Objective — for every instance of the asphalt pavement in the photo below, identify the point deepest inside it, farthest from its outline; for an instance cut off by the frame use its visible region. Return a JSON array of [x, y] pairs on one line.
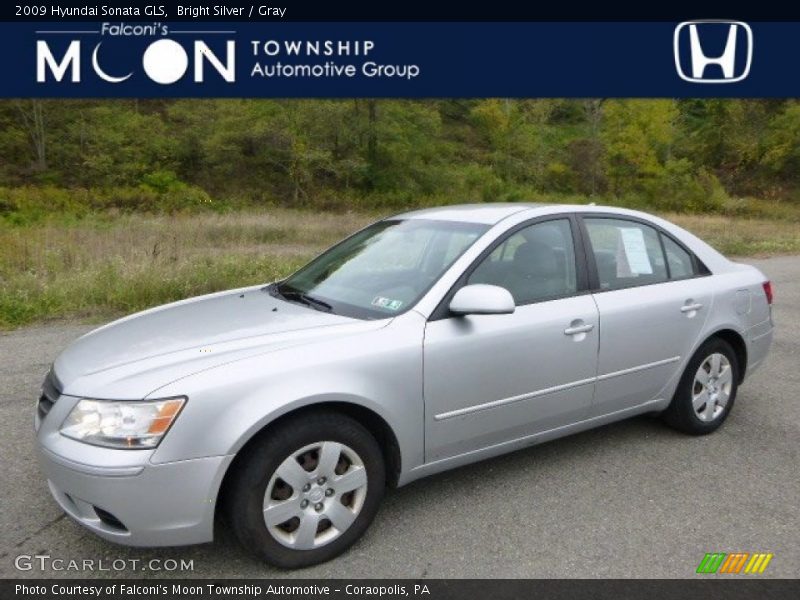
[[632, 499]]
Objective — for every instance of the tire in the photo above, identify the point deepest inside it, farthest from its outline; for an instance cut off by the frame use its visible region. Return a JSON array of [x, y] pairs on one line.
[[696, 408], [294, 449]]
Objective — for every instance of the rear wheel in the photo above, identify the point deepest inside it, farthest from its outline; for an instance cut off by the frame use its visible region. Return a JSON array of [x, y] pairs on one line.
[[707, 389], [307, 490]]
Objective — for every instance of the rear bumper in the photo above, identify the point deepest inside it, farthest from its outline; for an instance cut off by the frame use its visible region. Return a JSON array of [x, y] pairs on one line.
[[169, 504]]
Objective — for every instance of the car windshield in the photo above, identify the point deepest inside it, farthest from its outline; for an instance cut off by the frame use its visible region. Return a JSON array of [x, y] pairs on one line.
[[382, 270]]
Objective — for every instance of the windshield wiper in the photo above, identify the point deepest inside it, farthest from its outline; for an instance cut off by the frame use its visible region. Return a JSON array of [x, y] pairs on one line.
[[313, 301], [304, 298]]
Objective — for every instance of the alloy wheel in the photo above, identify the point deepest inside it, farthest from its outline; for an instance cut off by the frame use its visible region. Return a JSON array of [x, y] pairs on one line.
[[712, 387], [315, 495]]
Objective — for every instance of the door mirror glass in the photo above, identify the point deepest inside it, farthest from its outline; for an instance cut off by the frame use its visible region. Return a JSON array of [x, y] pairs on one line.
[[482, 299]]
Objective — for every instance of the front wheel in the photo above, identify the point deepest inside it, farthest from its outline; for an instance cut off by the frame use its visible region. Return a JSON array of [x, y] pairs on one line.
[[707, 389], [307, 489]]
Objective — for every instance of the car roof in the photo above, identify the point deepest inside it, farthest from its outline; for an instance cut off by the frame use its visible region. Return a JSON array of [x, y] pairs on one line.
[[489, 213]]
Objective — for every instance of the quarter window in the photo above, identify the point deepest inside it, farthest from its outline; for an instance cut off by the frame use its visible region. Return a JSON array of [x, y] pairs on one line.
[[626, 253], [534, 264], [679, 260]]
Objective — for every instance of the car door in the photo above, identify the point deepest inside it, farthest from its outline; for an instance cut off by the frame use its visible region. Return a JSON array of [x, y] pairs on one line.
[[652, 304], [495, 378]]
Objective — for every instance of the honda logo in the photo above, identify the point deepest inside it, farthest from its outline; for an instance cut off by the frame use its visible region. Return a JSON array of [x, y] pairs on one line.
[[713, 51]]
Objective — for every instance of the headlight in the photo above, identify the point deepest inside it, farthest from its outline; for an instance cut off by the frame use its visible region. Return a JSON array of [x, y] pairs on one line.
[[122, 424]]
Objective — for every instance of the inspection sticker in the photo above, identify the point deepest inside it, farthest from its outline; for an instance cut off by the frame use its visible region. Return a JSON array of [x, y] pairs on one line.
[[387, 303]]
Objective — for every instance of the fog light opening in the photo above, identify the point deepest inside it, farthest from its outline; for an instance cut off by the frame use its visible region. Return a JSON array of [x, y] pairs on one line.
[[109, 520]]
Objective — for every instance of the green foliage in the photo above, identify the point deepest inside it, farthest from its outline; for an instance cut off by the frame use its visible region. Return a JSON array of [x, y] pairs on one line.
[[638, 136], [782, 149], [29, 204], [175, 155], [111, 206]]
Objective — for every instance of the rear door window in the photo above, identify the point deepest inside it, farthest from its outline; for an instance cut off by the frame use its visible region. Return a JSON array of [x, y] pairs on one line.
[[627, 253]]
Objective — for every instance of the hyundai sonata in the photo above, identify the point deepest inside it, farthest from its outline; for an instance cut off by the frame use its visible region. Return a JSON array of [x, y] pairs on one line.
[[425, 341]]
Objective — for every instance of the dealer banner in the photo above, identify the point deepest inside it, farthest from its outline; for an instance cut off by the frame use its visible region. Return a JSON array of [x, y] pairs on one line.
[[152, 56]]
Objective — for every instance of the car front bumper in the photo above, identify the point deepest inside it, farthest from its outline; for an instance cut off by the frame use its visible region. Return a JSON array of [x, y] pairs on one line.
[[124, 497]]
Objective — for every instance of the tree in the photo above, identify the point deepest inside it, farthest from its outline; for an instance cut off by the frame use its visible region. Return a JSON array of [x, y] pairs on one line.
[[639, 136], [33, 120]]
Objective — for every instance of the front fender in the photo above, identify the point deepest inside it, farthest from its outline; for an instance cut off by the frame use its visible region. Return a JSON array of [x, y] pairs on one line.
[[380, 370]]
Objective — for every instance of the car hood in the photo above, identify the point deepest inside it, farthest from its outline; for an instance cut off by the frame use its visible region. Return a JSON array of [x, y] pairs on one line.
[[131, 357]]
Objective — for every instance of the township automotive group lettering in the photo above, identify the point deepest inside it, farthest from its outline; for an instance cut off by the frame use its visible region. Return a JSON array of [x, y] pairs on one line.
[[317, 49]]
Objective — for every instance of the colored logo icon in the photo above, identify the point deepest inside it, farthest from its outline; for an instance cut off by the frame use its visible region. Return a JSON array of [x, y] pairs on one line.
[[734, 563]]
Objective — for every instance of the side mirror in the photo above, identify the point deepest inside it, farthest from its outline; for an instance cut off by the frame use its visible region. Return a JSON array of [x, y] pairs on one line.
[[481, 299]]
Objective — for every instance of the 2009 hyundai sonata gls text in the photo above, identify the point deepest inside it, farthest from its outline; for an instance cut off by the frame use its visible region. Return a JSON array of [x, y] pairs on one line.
[[423, 342]]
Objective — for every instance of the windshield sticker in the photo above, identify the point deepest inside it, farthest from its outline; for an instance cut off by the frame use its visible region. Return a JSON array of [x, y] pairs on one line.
[[387, 303], [632, 258]]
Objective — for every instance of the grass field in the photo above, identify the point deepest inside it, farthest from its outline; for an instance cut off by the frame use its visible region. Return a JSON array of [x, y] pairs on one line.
[[102, 267]]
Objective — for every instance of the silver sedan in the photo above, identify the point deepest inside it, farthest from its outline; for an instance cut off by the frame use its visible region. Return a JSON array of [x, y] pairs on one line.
[[425, 341]]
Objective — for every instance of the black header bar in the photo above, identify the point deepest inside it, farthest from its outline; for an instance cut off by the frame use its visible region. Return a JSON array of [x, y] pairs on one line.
[[409, 10]]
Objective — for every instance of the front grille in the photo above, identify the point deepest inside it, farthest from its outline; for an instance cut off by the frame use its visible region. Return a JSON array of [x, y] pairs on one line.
[[51, 390]]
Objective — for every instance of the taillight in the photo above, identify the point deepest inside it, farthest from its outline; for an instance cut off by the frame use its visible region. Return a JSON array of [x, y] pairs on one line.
[[768, 291]]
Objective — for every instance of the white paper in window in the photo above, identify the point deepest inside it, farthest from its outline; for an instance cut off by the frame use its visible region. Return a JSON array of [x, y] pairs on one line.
[[632, 257]]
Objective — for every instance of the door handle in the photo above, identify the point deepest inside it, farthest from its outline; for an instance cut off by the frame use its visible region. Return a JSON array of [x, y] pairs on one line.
[[691, 307], [578, 329]]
